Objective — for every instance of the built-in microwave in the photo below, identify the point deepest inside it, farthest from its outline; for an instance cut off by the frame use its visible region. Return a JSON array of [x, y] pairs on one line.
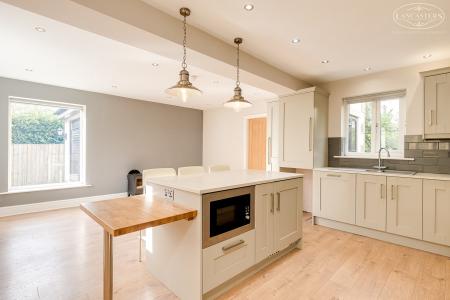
[[227, 214]]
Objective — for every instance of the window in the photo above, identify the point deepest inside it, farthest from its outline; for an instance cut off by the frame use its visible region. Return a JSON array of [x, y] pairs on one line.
[[46, 144], [374, 121]]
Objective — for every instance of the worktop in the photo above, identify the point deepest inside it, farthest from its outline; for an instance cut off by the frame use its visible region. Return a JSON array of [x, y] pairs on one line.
[[219, 181], [430, 176]]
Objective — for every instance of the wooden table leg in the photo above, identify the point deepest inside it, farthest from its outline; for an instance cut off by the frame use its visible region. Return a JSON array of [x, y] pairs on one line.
[[107, 266]]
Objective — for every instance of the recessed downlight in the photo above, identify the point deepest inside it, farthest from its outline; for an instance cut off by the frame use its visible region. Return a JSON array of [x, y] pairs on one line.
[[216, 82], [367, 69], [249, 7], [325, 61], [155, 64], [295, 41], [29, 70], [427, 55], [40, 29]]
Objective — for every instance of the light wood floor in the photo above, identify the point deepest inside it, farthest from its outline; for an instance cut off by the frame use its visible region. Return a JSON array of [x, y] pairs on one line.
[[57, 255]]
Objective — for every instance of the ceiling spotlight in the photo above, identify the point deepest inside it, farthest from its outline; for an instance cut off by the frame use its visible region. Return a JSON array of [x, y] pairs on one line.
[[114, 86], [40, 29], [155, 64], [325, 61], [427, 56], [29, 70], [367, 69], [295, 41], [249, 7], [216, 82]]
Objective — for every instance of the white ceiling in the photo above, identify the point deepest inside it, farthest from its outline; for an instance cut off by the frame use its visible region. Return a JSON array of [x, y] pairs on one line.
[[352, 34], [69, 57]]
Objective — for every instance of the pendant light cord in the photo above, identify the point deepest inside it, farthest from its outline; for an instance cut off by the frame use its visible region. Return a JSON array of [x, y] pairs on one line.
[[237, 69], [183, 64]]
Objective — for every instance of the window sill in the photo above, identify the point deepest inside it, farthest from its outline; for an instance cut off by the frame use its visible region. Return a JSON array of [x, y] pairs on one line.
[[45, 188], [374, 157]]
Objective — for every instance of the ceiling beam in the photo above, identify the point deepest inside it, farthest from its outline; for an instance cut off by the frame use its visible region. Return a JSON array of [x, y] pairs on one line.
[[140, 25]]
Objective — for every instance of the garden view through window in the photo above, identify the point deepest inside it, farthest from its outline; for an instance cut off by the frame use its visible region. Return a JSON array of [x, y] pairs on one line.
[[374, 124], [46, 143]]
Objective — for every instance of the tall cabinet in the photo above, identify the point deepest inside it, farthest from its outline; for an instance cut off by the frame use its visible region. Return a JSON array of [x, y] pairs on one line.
[[437, 104], [273, 110], [304, 129]]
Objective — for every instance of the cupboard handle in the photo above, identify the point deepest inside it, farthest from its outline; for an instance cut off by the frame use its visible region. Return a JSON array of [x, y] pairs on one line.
[[333, 175], [309, 132], [381, 191], [229, 247], [431, 117], [392, 192], [279, 202], [272, 206]]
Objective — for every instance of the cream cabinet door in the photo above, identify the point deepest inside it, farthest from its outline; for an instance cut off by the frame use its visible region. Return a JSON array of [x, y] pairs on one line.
[[404, 206], [437, 104], [334, 196], [436, 211], [371, 201], [264, 220], [273, 132], [296, 131], [288, 212]]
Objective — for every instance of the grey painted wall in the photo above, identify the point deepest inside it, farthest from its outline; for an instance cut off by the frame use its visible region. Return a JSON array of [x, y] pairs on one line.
[[122, 134]]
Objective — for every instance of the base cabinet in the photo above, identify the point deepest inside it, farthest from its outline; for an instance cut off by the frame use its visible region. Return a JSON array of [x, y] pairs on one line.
[[404, 206], [334, 196], [436, 211], [278, 216], [371, 201]]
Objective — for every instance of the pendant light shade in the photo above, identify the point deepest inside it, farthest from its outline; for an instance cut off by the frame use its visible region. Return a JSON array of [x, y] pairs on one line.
[[184, 88], [237, 102]]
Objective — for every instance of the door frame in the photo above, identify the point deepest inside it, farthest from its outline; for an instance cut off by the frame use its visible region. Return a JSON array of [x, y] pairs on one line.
[[246, 118]]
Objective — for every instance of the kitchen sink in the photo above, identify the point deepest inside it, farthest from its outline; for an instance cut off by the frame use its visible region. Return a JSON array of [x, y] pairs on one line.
[[395, 172]]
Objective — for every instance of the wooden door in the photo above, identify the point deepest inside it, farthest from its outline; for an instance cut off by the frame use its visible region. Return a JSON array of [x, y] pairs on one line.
[[371, 201], [437, 104], [404, 206], [436, 211], [288, 212], [296, 131], [264, 220], [334, 195], [256, 155]]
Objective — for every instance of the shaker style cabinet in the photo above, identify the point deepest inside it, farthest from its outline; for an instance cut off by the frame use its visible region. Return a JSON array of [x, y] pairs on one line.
[[278, 216], [371, 201], [303, 122], [404, 206], [437, 104], [334, 196], [436, 211]]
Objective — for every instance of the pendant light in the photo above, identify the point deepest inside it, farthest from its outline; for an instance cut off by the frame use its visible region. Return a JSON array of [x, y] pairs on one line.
[[237, 102], [184, 88]]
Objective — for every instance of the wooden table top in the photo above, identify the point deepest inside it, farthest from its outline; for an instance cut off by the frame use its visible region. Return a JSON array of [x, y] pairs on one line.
[[125, 215]]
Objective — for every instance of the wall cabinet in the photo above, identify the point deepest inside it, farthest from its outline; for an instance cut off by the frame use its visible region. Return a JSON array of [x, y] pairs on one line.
[[436, 211], [437, 104], [303, 129], [273, 136], [278, 216], [334, 196], [404, 206], [371, 201]]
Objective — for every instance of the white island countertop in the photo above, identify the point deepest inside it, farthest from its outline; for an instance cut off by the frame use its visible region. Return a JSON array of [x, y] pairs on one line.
[[219, 181]]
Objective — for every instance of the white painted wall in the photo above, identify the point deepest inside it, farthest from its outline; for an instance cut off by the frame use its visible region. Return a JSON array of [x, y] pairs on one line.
[[224, 137], [404, 78]]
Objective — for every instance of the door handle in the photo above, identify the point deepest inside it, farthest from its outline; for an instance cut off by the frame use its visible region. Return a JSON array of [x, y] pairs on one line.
[[309, 133], [431, 117], [381, 190], [392, 192], [272, 206], [279, 202], [333, 175], [234, 245]]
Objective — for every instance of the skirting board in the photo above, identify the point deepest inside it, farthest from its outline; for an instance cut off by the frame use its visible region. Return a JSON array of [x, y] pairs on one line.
[[385, 236], [51, 205]]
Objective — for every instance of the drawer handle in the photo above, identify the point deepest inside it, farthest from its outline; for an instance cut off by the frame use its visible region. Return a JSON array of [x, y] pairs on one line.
[[229, 247], [272, 206], [333, 175], [279, 202]]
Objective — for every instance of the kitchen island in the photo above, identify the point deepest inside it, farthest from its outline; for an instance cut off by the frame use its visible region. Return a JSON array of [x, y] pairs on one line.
[[246, 220]]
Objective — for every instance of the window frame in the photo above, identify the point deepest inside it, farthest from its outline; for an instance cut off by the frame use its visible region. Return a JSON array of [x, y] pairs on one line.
[[376, 121], [83, 138]]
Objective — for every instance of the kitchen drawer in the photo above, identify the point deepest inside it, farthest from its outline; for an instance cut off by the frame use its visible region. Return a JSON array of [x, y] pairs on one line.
[[223, 261]]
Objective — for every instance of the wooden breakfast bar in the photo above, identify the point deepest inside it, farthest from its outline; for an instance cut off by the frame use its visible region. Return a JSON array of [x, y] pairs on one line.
[[126, 215]]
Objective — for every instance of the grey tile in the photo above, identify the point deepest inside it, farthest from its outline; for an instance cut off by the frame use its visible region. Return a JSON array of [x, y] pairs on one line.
[[426, 146], [437, 153], [429, 161], [444, 146], [443, 161], [413, 153], [413, 138], [414, 168], [431, 169]]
